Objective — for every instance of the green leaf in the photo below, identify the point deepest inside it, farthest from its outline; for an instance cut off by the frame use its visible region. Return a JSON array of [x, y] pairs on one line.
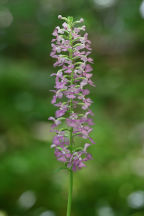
[[80, 103], [70, 19], [78, 63], [78, 149], [80, 78], [61, 118], [64, 129], [78, 133], [76, 39], [80, 115], [59, 148], [78, 44], [65, 76], [62, 90], [77, 86], [65, 37]]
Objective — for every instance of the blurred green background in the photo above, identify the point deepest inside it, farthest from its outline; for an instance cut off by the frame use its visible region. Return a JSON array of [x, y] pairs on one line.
[[30, 181]]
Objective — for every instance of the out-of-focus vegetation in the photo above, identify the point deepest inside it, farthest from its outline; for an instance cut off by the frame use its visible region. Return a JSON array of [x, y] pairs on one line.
[[31, 182]]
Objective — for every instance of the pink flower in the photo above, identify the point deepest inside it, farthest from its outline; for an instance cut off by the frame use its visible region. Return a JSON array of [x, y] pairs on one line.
[[56, 121], [70, 93]]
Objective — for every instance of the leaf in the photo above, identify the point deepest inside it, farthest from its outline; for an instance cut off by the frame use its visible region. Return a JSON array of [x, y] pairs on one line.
[[78, 44], [76, 39], [78, 63], [64, 129], [80, 103], [59, 148], [70, 19], [61, 118], [62, 90], [78, 149], [65, 37], [80, 78], [67, 76], [77, 86]]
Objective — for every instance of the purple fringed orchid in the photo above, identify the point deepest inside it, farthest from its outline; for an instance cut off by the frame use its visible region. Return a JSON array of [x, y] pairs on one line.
[[71, 49]]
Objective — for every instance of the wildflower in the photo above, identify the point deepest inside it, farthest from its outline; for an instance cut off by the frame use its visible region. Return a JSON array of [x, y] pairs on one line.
[[71, 49]]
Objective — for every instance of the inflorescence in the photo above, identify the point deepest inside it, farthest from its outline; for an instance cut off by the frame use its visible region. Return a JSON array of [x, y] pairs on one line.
[[71, 51]]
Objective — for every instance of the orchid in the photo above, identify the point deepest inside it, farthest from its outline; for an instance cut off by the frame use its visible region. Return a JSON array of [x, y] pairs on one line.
[[71, 49]]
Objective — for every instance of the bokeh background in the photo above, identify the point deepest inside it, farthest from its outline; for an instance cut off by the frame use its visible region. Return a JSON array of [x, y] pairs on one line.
[[31, 182]]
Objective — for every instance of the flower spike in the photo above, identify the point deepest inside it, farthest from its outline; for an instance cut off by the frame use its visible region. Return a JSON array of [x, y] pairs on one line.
[[71, 49]]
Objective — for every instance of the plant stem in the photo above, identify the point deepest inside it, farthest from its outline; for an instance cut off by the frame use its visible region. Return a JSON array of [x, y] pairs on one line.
[[70, 193], [70, 140]]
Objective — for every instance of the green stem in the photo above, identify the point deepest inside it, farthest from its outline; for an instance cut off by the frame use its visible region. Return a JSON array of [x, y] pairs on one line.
[[71, 141], [70, 193]]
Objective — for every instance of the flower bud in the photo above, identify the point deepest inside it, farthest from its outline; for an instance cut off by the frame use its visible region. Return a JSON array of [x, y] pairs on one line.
[[59, 16]]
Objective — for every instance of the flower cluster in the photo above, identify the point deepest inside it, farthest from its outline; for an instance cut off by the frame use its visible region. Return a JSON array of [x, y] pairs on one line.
[[71, 51]]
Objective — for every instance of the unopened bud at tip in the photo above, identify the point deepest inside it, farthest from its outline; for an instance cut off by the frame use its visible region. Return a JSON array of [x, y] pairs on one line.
[[81, 20], [59, 16]]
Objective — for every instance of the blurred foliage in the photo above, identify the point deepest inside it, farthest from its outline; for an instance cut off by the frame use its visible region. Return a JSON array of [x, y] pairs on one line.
[[31, 180]]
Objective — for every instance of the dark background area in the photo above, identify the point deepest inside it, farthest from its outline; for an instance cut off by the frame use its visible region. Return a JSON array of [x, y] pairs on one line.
[[31, 183]]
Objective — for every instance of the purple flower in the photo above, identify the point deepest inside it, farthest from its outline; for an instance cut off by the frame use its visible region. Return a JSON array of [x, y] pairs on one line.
[[56, 121], [71, 49], [60, 112]]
